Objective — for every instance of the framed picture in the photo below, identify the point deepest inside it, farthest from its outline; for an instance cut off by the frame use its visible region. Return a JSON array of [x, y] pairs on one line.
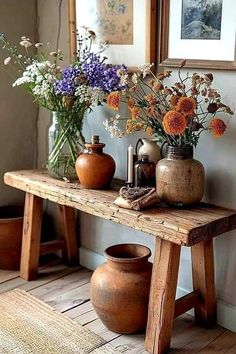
[[201, 31], [128, 26]]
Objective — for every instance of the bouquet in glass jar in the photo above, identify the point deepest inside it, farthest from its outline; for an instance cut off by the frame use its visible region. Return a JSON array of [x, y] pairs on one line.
[[67, 92], [176, 114]]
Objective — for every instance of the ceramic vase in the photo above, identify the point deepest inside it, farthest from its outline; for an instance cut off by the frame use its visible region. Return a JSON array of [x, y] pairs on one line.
[[180, 178], [120, 288], [148, 147], [94, 168]]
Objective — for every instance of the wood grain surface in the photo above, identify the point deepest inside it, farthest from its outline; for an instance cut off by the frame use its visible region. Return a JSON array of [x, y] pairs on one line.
[[181, 226]]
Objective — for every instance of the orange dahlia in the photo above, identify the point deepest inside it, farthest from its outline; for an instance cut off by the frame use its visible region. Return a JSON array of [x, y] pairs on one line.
[[134, 112], [217, 127], [174, 123], [149, 130], [113, 100], [186, 105]]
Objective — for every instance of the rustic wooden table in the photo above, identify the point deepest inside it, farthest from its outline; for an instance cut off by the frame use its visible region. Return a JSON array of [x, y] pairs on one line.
[[173, 228]]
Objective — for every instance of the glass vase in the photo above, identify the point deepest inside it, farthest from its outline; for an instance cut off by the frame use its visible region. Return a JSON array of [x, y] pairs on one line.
[[65, 143]]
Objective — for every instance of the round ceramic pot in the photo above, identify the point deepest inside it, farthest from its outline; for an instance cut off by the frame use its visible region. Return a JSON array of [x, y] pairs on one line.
[[180, 179], [94, 168], [11, 224], [120, 288]]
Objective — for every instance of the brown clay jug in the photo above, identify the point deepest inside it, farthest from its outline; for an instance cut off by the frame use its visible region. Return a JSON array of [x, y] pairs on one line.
[[94, 168], [179, 177], [119, 288]]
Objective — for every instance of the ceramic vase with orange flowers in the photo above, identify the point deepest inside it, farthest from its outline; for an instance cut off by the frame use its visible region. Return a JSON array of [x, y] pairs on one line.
[[179, 177]]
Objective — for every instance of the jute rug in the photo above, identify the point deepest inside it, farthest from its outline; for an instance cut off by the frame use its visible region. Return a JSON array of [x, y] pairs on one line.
[[29, 326]]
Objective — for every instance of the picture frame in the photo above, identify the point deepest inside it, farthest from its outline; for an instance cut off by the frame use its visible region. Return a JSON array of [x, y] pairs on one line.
[[220, 54], [135, 48]]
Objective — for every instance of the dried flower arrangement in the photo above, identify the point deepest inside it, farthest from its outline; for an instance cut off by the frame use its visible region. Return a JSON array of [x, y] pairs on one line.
[[177, 114]]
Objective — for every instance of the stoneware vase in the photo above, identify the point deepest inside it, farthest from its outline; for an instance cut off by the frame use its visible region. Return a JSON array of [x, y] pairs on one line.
[[180, 178], [119, 288], [148, 147], [94, 168]]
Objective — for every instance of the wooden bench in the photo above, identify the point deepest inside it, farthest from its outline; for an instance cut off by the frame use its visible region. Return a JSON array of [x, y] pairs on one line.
[[173, 228]]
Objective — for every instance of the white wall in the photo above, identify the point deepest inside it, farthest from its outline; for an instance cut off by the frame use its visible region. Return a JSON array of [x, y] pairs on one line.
[[218, 157], [18, 114]]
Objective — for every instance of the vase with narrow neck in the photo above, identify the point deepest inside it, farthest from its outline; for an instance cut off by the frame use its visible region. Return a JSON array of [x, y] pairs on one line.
[[179, 177], [94, 168], [65, 142]]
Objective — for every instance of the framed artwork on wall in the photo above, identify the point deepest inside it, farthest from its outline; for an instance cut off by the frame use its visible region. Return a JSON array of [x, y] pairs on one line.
[[128, 26], [201, 31]]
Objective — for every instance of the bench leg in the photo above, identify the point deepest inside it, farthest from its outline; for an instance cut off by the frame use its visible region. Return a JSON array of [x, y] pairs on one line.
[[31, 237], [162, 296], [69, 233], [203, 281]]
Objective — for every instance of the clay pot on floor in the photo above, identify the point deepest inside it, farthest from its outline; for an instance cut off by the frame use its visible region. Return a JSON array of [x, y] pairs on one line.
[[120, 288], [11, 224]]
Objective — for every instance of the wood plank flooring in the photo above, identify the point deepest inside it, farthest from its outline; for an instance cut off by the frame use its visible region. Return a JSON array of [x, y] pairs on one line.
[[67, 290]]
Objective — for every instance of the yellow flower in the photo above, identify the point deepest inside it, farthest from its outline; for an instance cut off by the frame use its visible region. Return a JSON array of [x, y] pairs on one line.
[[174, 123], [113, 100], [186, 105]]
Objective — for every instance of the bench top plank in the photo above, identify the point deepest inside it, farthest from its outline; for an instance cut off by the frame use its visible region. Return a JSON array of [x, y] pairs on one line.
[[182, 226]]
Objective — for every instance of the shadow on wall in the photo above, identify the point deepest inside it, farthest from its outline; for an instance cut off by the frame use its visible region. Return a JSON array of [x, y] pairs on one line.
[[216, 179]]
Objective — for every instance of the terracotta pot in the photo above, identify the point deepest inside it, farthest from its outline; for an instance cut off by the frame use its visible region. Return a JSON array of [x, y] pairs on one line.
[[149, 147], [119, 288], [180, 178], [94, 168], [11, 224]]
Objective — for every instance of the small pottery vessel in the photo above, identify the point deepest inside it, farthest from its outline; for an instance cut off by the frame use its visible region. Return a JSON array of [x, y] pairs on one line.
[[149, 147], [119, 288], [144, 172], [179, 177], [94, 168]]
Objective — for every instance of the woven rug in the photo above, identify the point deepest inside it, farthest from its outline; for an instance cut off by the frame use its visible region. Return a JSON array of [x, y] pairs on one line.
[[27, 325]]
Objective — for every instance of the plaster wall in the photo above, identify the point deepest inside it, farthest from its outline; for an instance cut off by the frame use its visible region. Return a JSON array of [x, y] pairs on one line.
[[18, 115]]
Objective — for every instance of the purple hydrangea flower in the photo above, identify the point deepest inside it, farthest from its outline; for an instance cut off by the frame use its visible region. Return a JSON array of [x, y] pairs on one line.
[[64, 87], [101, 75], [70, 73]]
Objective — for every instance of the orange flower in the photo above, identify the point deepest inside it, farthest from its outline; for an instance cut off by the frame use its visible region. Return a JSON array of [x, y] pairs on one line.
[[150, 111], [151, 99], [113, 100], [129, 126], [174, 123], [174, 100], [186, 105], [134, 112], [149, 130], [138, 126], [130, 103], [217, 127]]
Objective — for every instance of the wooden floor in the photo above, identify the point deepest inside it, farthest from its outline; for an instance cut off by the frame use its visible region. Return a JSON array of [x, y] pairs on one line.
[[67, 290]]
